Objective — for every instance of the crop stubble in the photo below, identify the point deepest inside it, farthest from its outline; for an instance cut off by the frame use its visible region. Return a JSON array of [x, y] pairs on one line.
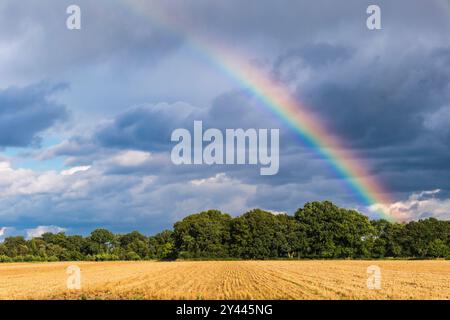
[[227, 280]]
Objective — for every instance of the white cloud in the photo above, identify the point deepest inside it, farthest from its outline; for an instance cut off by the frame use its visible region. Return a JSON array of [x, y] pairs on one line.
[[132, 158], [276, 212], [5, 231], [219, 192], [25, 181], [5, 166], [20, 182], [40, 230], [54, 197], [418, 206], [218, 178], [74, 170]]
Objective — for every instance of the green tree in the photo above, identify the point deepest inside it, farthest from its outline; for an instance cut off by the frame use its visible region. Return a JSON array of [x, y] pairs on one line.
[[387, 239], [418, 237], [136, 243], [16, 246], [333, 232], [101, 241], [162, 245], [438, 249], [203, 235], [289, 238], [253, 235]]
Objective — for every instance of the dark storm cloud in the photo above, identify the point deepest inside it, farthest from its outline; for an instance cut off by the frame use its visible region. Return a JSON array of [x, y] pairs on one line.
[[149, 128], [25, 112], [38, 44], [379, 106], [382, 101], [390, 107], [145, 128], [313, 55]]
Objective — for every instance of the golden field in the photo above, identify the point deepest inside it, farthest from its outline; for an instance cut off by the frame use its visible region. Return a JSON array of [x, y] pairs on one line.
[[227, 280]]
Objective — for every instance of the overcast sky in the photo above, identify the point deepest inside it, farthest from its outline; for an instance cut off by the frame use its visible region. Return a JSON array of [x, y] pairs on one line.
[[86, 115]]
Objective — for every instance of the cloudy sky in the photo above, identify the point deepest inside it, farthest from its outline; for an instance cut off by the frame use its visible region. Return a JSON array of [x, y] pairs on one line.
[[86, 115]]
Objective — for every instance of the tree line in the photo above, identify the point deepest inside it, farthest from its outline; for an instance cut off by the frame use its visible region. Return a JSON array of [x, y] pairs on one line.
[[319, 230]]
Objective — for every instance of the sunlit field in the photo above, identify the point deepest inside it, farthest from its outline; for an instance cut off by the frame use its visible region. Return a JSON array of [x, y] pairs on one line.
[[227, 280]]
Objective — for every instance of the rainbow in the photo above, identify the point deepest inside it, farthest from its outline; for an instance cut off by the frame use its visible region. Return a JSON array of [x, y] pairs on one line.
[[280, 102]]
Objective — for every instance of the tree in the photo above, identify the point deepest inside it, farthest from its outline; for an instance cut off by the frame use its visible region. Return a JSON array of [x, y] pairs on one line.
[[136, 243], [162, 245], [438, 249], [318, 230], [16, 246], [333, 232], [203, 235], [101, 241], [289, 237], [418, 237], [253, 235], [387, 239]]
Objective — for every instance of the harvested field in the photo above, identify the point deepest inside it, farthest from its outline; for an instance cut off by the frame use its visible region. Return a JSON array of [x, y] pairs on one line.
[[227, 280]]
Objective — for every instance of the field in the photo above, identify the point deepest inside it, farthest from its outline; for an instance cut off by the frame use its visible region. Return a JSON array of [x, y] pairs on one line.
[[227, 280]]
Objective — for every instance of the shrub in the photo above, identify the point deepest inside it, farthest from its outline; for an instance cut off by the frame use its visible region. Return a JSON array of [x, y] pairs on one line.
[[4, 258], [437, 249], [32, 258], [52, 259], [105, 257], [18, 259], [131, 255], [184, 255]]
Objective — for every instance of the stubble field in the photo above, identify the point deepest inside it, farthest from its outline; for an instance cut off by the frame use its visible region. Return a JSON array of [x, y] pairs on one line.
[[227, 280]]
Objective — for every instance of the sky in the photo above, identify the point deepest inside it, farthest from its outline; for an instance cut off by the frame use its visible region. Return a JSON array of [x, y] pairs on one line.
[[86, 115]]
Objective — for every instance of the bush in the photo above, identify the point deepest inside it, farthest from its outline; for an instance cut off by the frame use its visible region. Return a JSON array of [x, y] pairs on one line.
[[70, 256], [105, 257], [4, 258], [51, 259], [131, 255], [18, 259], [32, 258], [184, 255], [438, 249]]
